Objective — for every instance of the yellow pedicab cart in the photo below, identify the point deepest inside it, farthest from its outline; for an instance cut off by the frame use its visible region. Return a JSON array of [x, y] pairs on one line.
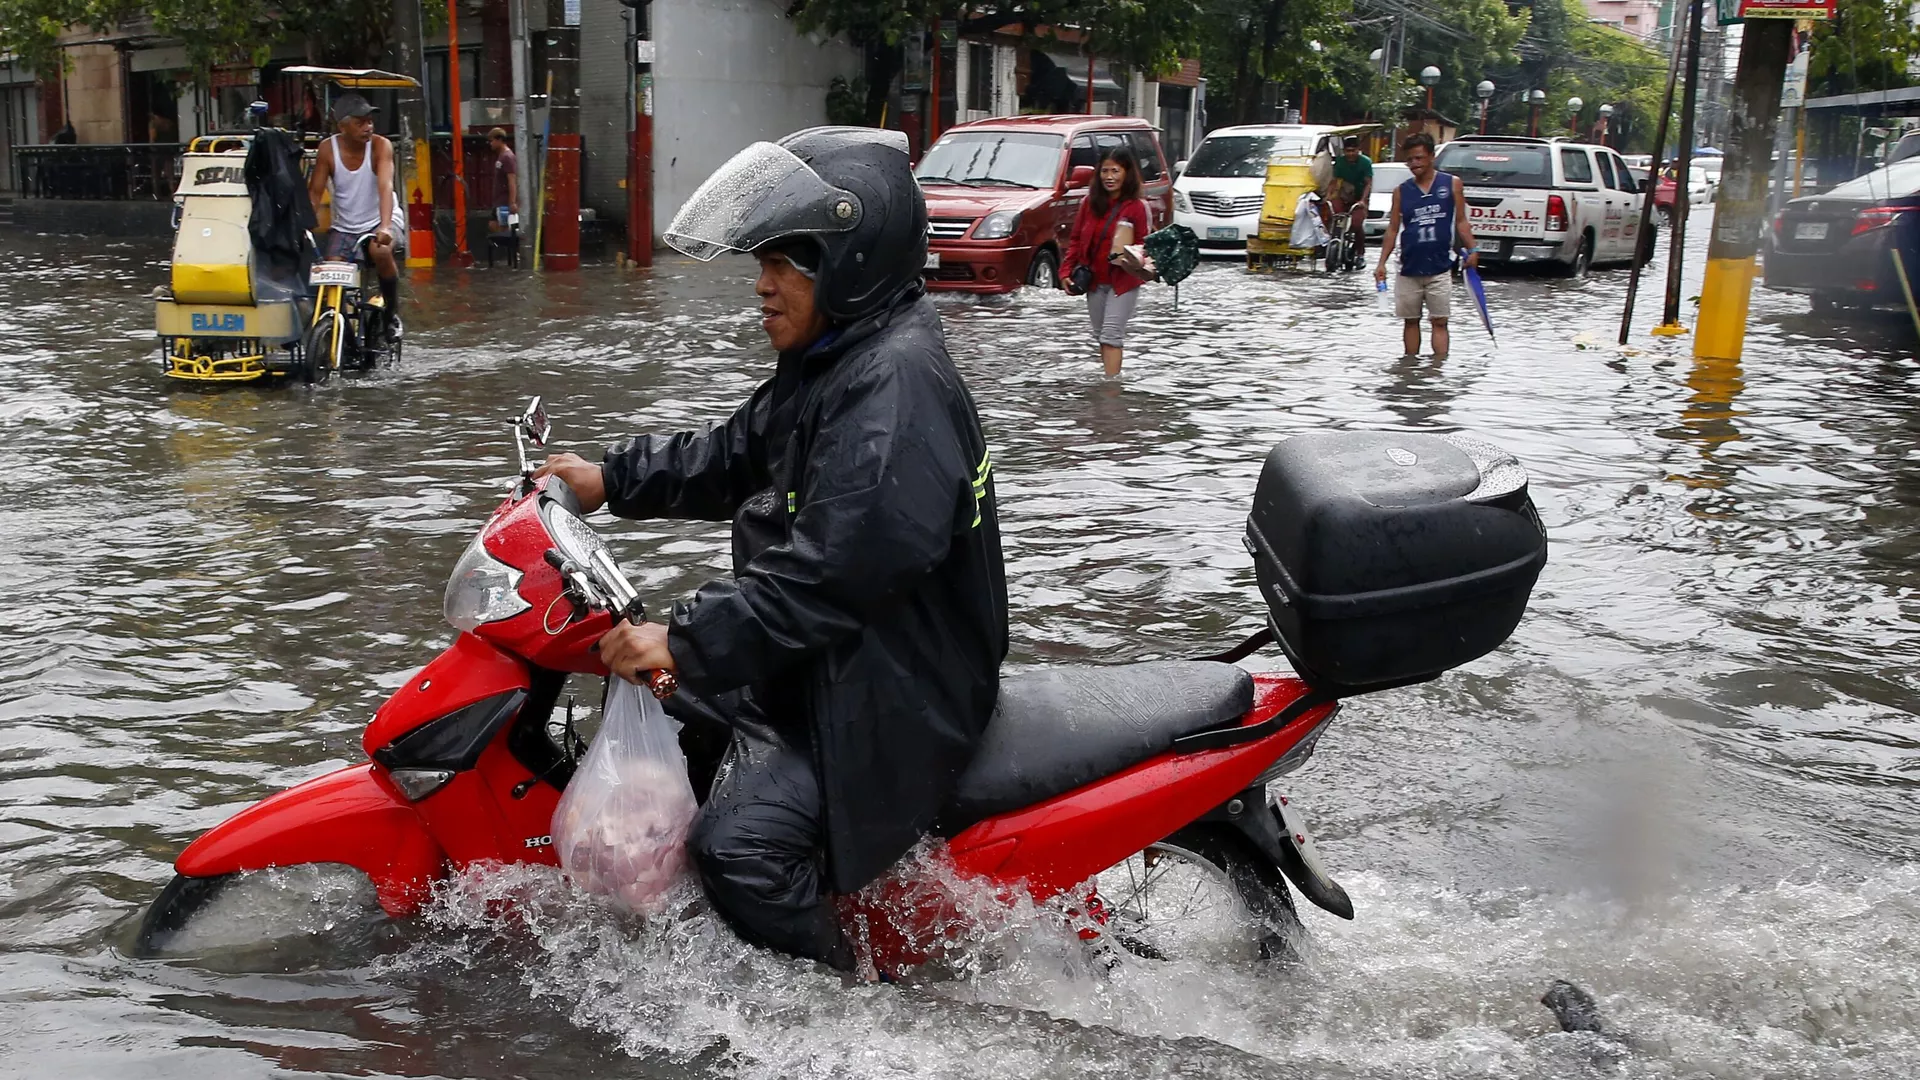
[[228, 315], [1289, 176]]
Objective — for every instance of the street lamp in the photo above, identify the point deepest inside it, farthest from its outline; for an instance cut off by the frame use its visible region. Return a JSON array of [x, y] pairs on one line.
[[1606, 118], [1536, 100], [1429, 76], [1484, 91], [1574, 105]]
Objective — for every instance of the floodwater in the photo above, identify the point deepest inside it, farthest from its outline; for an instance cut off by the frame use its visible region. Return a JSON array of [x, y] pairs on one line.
[[1687, 784]]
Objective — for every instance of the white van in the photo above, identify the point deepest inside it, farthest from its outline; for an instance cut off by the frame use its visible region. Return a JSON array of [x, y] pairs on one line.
[[1218, 191]]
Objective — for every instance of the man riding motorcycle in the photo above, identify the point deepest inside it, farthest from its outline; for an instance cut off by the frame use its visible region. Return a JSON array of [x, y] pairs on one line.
[[849, 665]]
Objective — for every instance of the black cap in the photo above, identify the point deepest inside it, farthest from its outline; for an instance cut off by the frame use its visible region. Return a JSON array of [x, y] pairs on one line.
[[1350, 143], [351, 105]]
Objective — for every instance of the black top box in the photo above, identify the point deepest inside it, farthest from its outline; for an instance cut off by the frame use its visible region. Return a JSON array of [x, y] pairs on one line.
[[1386, 559]]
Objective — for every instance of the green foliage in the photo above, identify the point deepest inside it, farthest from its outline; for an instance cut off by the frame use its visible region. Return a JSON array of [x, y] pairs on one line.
[[215, 32], [1567, 56], [847, 101], [1866, 46], [1248, 45], [1253, 43]]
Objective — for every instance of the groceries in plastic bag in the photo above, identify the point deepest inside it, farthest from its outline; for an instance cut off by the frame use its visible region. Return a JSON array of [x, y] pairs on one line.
[[621, 826]]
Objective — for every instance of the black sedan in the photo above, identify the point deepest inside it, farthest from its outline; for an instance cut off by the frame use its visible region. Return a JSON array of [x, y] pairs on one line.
[[1838, 246]]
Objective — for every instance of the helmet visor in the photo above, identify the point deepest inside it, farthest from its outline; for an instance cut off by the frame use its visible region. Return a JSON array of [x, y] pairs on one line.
[[763, 194]]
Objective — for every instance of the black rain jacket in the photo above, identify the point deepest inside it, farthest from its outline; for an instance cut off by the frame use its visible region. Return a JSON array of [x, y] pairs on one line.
[[868, 601], [282, 215]]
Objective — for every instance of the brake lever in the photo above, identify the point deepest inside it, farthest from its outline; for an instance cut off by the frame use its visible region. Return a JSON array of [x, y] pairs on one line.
[[631, 608]]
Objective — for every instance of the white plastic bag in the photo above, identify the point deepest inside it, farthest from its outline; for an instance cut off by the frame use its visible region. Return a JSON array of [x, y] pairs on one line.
[[621, 826], [1308, 230]]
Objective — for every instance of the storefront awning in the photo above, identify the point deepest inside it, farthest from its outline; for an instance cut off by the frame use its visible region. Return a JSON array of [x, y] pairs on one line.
[[1075, 68]]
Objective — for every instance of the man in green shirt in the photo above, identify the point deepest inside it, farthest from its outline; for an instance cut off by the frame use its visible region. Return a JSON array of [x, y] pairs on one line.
[[1352, 186]]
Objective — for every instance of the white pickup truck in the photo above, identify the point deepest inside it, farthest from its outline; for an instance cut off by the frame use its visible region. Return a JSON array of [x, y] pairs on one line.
[[1569, 204]]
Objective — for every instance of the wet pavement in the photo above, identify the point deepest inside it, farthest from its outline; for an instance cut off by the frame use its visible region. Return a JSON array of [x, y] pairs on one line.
[[1686, 784]]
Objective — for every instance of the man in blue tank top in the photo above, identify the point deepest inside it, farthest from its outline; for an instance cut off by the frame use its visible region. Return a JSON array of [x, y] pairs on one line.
[[1433, 210]]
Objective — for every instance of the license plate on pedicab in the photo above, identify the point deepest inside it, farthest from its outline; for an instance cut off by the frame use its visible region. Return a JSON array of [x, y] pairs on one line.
[[1222, 232], [330, 273]]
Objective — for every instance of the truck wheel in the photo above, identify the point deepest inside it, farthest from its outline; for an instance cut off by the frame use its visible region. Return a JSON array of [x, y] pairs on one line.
[[1582, 260], [1045, 271]]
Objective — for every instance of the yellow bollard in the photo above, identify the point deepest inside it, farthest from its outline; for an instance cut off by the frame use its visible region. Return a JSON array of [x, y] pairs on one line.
[[1724, 299]]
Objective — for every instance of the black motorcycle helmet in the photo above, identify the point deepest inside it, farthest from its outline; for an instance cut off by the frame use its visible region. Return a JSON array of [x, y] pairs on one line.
[[847, 191]]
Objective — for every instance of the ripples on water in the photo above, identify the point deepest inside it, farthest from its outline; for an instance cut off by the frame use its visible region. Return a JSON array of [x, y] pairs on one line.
[[1686, 784]]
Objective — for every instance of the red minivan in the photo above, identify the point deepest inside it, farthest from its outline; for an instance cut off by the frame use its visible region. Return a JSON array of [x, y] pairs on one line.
[[1001, 194]]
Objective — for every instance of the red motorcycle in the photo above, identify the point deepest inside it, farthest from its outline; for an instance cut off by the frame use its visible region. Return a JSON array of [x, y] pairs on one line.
[[1385, 559]]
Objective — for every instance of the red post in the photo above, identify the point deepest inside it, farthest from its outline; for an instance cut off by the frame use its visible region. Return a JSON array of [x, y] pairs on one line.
[[560, 228], [1483, 117], [1429, 99], [640, 180], [640, 147], [1304, 88], [461, 256]]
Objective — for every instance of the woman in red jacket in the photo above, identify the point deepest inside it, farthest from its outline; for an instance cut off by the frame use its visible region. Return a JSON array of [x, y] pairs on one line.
[[1111, 217]]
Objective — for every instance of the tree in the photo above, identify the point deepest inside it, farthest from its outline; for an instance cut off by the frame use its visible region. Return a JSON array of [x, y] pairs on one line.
[[1567, 56], [1249, 45], [1256, 43], [1867, 45], [215, 32], [1152, 35]]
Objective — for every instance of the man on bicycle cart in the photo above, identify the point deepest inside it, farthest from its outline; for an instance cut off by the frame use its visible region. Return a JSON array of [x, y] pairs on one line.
[[1350, 189], [355, 169]]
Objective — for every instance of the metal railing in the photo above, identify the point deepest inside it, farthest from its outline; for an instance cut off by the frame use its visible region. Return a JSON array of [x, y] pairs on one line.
[[118, 171]]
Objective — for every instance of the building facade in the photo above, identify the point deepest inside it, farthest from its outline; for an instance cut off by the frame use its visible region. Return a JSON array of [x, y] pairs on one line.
[[723, 74], [1641, 18]]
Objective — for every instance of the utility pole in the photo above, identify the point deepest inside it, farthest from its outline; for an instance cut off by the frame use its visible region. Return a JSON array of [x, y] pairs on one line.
[[1645, 234], [1741, 206], [415, 186], [1682, 166], [560, 224], [522, 123]]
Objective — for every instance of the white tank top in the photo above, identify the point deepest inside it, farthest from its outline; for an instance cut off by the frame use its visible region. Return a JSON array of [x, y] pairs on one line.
[[355, 193]]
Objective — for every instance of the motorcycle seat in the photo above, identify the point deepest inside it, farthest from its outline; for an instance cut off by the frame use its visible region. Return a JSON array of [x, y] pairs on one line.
[[1058, 728]]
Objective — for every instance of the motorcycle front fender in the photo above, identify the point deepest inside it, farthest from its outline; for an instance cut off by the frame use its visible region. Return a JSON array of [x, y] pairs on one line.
[[354, 817]]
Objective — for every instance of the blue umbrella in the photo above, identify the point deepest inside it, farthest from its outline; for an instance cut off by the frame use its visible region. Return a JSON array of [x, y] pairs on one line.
[[1479, 292]]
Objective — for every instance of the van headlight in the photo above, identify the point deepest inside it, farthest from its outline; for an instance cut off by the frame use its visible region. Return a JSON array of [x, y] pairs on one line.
[[482, 590], [1181, 202], [997, 226]]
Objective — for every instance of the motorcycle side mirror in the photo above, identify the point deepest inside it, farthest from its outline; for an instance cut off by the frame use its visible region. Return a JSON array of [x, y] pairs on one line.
[[535, 424], [1080, 176], [532, 427]]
